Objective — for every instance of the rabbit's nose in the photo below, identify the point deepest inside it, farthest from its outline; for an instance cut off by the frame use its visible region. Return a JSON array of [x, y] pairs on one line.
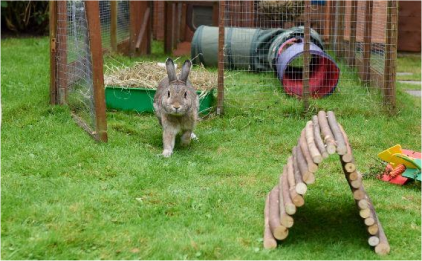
[[176, 107]]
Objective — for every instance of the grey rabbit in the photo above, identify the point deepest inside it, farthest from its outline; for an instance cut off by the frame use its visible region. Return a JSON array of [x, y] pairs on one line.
[[176, 106]]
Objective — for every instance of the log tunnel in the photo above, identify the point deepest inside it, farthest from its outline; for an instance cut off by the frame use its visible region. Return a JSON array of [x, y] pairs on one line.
[[321, 137]]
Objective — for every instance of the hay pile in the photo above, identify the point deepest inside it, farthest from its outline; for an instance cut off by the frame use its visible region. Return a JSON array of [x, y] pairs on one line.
[[149, 74], [282, 11]]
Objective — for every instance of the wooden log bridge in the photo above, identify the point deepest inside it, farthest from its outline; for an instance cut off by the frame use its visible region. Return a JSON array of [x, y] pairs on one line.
[[321, 136]]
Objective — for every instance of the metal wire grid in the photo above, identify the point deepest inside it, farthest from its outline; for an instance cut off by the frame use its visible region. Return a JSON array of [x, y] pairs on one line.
[[105, 21], [123, 21], [335, 36], [74, 61]]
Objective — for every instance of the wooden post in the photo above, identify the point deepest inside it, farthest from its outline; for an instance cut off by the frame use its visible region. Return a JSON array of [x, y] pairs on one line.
[[340, 29], [168, 27], [141, 36], [53, 53], [138, 13], [94, 31], [333, 4], [391, 56], [220, 93], [352, 40], [306, 56], [61, 47], [113, 25], [366, 77]]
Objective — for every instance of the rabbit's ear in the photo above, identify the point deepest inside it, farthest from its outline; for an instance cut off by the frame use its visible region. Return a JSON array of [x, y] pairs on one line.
[[185, 70], [171, 71]]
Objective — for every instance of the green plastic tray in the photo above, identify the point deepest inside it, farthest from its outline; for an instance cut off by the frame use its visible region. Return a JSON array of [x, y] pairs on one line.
[[141, 99]]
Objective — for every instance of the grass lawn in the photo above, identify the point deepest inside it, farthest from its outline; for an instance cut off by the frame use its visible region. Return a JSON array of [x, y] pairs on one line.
[[64, 196]]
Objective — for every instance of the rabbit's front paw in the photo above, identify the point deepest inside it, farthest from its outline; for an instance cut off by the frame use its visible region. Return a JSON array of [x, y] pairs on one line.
[[167, 153]]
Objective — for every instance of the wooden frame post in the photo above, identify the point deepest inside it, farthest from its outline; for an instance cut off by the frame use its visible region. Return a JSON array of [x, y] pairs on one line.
[[113, 25], [139, 15], [340, 30], [168, 27], [306, 56], [220, 92], [366, 77], [352, 41], [391, 55], [333, 4], [61, 50], [94, 32], [53, 49]]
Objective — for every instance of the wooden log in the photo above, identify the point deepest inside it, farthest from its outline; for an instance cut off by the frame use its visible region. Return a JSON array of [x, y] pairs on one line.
[[269, 240], [341, 145], [301, 187], [383, 248], [358, 194], [373, 241], [279, 232], [373, 230], [289, 206], [369, 221], [356, 183], [350, 167], [285, 219], [326, 132], [313, 150], [296, 198], [312, 166], [353, 176], [365, 213], [348, 156], [363, 204], [303, 168], [317, 137]]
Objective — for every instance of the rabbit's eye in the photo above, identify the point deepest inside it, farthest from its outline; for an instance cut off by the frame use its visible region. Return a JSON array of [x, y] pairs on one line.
[[168, 94], [186, 95]]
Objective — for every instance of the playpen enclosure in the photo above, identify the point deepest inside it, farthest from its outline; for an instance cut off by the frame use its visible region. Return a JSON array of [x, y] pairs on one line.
[[360, 36], [81, 32]]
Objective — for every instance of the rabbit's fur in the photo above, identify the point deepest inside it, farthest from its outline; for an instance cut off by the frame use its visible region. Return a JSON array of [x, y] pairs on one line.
[[176, 106]]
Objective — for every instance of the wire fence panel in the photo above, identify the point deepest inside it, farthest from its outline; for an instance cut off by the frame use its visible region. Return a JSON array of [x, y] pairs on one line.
[[75, 66], [264, 50]]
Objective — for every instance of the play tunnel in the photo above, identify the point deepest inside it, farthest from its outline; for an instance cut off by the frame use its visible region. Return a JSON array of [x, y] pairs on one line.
[[265, 50]]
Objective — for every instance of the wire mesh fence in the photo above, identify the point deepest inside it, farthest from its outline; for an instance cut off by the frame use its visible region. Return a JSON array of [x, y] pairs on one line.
[[76, 51], [351, 51]]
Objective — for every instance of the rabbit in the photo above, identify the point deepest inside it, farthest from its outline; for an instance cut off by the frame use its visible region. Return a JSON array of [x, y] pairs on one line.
[[176, 106]]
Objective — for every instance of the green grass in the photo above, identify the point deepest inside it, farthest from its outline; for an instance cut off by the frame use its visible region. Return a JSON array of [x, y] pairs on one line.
[[409, 64], [65, 196]]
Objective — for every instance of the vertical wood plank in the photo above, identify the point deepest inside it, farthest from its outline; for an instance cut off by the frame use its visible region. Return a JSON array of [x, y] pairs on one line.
[[94, 31], [352, 41], [333, 4], [168, 26], [367, 42], [61, 46], [220, 94], [391, 56], [174, 25], [340, 30], [215, 12], [53, 53], [113, 25], [183, 23], [306, 56]]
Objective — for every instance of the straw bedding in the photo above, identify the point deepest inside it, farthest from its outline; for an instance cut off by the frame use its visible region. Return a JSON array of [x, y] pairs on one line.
[[149, 74]]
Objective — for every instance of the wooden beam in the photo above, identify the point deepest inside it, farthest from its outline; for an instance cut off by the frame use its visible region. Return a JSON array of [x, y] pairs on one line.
[[168, 27], [367, 42], [141, 35], [352, 41], [61, 49], [94, 31], [340, 30], [306, 56], [220, 91], [53, 49], [391, 56]]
